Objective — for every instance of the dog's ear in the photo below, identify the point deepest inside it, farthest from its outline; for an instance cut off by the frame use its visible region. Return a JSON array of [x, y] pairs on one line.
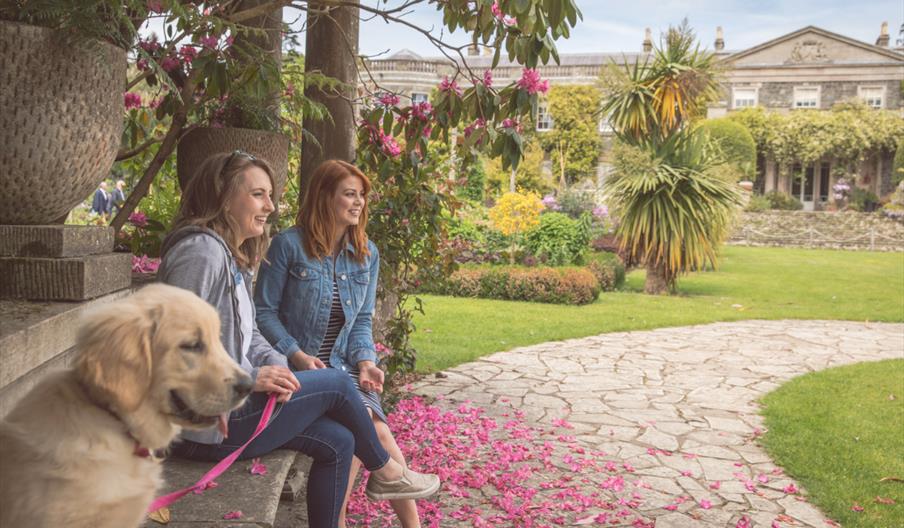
[[114, 354]]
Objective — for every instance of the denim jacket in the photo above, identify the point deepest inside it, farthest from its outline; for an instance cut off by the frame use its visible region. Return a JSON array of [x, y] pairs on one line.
[[294, 293]]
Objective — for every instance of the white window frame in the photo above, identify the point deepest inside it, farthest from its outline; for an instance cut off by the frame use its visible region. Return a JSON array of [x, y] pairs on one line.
[[544, 121], [605, 126], [800, 102], [736, 99], [862, 93], [419, 97]]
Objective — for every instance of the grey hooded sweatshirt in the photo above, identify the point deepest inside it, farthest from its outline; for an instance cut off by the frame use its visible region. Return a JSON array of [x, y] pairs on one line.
[[198, 259]]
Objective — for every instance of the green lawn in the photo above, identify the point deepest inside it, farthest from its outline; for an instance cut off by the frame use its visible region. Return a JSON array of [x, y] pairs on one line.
[[751, 283], [839, 432]]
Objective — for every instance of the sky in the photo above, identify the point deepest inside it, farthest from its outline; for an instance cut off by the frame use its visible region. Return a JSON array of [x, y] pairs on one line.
[[613, 26]]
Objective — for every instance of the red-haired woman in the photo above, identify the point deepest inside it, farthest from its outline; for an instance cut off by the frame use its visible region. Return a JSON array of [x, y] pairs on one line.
[[316, 292]]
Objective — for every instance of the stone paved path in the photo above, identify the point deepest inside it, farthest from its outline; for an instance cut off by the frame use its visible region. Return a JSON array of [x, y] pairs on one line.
[[689, 390]]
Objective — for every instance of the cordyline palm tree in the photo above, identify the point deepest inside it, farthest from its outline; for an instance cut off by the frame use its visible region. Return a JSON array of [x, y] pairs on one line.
[[673, 210]]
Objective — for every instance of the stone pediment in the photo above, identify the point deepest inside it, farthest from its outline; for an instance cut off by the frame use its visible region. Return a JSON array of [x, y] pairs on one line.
[[813, 46]]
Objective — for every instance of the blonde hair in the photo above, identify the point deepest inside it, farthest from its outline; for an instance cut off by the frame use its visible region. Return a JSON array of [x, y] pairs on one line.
[[317, 218], [207, 194]]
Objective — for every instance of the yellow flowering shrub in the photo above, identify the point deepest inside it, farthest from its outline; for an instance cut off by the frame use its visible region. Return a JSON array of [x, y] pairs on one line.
[[516, 213]]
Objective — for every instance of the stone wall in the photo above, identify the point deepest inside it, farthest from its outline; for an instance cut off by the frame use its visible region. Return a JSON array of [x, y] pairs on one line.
[[847, 230], [781, 94]]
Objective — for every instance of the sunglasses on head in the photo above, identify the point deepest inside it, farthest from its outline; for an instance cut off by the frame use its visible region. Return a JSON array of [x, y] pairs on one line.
[[234, 154]]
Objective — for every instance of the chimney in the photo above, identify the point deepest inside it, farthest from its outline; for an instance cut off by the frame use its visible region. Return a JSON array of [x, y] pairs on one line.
[[883, 36], [473, 50], [720, 41], [648, 41]]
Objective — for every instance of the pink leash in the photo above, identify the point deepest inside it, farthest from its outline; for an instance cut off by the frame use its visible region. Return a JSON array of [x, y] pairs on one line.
[[220, 468]]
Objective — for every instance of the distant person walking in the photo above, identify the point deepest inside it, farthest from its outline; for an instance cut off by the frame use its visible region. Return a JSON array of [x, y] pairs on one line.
[[119, 196], [102, 200]]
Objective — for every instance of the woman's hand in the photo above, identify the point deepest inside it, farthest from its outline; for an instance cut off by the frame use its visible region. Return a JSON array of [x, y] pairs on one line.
[[278, 380], [370, 376], [302, 361]]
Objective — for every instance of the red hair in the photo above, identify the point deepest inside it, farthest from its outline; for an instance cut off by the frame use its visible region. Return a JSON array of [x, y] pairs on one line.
[[316, 216]]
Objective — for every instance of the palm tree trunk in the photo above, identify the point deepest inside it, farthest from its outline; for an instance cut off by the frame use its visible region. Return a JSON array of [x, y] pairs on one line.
[[656, 282]]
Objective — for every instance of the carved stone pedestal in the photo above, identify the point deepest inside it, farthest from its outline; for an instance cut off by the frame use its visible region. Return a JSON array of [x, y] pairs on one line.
[[60, 263]]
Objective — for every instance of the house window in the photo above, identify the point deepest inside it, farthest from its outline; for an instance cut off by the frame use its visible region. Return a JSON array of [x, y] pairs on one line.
[[806, 97], [743, 97], [544, 120], [824, 182], [604, 125], [873, 96], [419, 97]]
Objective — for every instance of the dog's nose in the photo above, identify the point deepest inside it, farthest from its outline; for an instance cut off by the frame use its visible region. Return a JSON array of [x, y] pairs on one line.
[[243, 385]]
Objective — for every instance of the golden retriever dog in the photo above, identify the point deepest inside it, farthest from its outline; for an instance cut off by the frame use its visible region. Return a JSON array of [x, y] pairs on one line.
[[75, 451]]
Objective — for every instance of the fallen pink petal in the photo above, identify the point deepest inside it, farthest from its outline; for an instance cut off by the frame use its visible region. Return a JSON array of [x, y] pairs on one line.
[[257, 468], [233, 515]]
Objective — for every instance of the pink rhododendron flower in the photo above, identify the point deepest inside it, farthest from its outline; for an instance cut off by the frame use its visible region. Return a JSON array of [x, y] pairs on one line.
[[510, 21], [790, 489], [488, 78], [530, 81], [150, 45], [744, 522], [138, 218], [705, 504], [131, 100], [142, 64], [188, 53], [290, 90], [422, 111], [390, 146], [170, 63], [233, 515], [209, 42], [143, 264], [388, 99], [762, 478], [447, 85], [257, 468], [497, 11]]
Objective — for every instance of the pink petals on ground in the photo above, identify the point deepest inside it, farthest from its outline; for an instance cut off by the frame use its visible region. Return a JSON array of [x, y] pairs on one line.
[[744, 522], [856, 507], [790, 489], [257, 468], [233, 515], [705, 504]]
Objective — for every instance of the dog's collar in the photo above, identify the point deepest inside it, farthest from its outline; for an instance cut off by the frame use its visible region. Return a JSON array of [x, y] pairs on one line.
[[139, 450]]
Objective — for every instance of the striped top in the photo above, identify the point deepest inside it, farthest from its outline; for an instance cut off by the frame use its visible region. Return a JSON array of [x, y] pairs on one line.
[[333, 327]]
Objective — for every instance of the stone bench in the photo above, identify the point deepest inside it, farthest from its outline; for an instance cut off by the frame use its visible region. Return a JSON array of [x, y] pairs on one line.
[[256, 496]]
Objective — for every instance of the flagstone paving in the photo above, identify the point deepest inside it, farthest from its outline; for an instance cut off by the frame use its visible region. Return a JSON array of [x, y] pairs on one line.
[[676, 405]]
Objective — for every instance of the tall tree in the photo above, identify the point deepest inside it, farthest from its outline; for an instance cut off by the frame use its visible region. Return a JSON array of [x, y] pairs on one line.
[[673, 209], [574, 141]]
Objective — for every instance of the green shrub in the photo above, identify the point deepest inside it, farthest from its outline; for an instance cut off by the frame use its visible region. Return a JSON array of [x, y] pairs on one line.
[[897, 173], [575, 203], [782, 201], [758, 203], [863, 200], [608, 270], [559, 240], [567, 285], [736, 142]]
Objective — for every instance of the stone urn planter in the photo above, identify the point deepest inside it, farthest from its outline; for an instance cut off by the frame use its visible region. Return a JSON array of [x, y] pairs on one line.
[[200, 143], [61, 118]]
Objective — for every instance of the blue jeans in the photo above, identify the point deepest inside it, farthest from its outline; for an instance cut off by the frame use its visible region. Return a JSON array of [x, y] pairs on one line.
[[325, 419]]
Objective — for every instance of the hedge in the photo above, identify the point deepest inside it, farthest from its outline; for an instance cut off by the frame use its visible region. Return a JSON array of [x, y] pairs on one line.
[[565, 285], [608, 270]]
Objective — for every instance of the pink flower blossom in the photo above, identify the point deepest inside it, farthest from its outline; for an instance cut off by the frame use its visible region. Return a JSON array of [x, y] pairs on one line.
[[762, 478], [389, 145], [169, 63], [131, 100], [388, 99], [530, 81], [447, 85], [715, 485], [856, 507], [257, 468], [142, 64], [233, 515], [497, 11], [209, 42], [790, 489], [744, 522], [488, 78], [188, 53], [155, 6], [143, 264], [422, 111], [510, 21], [150, 45], [137, 218], [705, 504]]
